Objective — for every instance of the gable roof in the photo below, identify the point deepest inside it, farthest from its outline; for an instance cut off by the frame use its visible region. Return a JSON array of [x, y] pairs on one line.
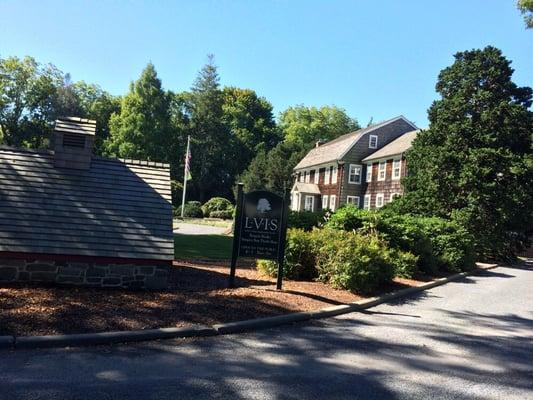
[[302, 187], [117, 208], [336, 149], [396, 147]]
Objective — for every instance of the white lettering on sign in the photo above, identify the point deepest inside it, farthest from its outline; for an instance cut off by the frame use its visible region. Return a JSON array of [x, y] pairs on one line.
[[264, 224]]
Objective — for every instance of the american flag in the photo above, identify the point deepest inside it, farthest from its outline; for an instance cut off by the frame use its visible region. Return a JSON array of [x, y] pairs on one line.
[[188, 175]]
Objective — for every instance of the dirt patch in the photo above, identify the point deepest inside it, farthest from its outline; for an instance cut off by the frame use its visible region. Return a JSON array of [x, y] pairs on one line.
[[197, 295]]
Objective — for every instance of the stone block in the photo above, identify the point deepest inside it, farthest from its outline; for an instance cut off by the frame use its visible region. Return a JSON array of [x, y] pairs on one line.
[[95, 272], [122, 270], [12, 263], [161, 272], [41, 267], [154, 282], [70, 271], [24, 276], [69, 279], [128, 279], [134, 285], [79, 265], [146, 270], [43, 276], [8, 273], [111, 281], [93, 280], [140, 277]]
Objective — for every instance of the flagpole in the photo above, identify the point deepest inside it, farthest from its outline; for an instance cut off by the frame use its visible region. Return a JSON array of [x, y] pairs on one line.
[[185, 175]]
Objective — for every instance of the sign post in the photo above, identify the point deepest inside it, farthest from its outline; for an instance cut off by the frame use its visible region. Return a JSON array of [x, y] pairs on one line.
[[260, 229]]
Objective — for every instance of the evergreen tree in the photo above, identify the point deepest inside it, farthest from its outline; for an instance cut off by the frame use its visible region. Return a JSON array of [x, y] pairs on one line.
[[142, 129], [474, 163]]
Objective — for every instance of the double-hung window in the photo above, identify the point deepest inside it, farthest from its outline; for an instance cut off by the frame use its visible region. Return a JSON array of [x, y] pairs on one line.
[[381, 170], [334, 175], [379, 200], [317, 175], [327, 175], [396, 168], [301, 176], [325, 204], [373, 142], [332, 202], [354, 174], [307, 176], [366, 202], [369, 173], [309, 203], [353, 200]]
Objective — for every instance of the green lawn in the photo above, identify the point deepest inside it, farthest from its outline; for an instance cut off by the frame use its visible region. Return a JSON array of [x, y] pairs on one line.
[[202, 246]]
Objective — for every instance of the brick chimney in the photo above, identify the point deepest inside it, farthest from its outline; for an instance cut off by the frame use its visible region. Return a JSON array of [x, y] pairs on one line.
[[74, 142]]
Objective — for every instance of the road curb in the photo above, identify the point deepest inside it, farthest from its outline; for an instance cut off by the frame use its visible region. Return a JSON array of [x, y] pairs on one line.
[[86, 339]]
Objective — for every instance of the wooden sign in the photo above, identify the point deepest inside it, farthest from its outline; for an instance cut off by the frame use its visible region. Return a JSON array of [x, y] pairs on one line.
[[260, 229]]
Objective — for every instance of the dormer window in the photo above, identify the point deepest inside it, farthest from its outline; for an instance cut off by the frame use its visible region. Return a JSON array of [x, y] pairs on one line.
[[373, 142]]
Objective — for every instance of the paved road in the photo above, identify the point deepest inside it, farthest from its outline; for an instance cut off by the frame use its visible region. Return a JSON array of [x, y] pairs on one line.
[[197, 229], [471, 339]]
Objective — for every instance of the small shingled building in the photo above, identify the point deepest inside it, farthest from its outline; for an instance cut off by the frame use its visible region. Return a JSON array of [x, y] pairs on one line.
[[69, 217]]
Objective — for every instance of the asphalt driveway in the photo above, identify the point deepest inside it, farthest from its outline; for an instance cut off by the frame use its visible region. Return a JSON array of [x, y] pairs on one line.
[[471, 339]]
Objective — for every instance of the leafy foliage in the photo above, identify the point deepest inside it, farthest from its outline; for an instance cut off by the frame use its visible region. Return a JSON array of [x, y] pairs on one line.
[[218, 207], [526, 8], [191, 209], [306, 220], [474, 163]]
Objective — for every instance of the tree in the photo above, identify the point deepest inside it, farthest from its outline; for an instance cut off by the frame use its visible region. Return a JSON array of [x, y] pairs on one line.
[[27, 94], [526, 8], [306, 125], [142, 129], [474, 163]]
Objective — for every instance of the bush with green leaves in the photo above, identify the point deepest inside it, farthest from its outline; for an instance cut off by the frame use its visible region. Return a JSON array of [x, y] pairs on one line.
[[359, 263], [350, 218], [192, 209], [306, 220], [218, 204], [404, 263]]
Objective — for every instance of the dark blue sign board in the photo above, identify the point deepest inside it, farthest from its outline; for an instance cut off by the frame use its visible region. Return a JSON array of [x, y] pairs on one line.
[[260, 229]]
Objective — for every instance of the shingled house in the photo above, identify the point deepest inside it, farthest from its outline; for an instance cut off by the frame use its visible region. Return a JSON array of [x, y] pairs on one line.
[[333, 173], [69, 217]]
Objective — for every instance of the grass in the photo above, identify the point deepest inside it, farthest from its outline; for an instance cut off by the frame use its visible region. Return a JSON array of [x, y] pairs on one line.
[[202, 246]]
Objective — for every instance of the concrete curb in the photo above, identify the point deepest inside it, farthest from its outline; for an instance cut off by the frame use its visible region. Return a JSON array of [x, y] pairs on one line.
[[32, 342], [85, 339]]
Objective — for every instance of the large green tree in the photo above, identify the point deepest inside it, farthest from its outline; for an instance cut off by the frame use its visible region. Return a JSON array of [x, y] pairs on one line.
[[304, 126], [474, 163], [142, 129]]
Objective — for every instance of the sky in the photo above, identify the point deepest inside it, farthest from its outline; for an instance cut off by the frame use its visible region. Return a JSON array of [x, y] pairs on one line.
[[375, 59]]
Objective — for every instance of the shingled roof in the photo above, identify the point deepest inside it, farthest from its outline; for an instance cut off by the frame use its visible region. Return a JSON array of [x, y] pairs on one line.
[[396, 147], [116, 208], [336, 149]]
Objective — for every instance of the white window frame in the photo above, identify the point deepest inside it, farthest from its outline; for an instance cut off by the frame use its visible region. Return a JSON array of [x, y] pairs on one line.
[[397, 167], [312, 203], [370, 137], [295, 200], [325, 202], [316, 176], [366, 201], [301, 177], [350, 174], [384, 170], [394, 194], [334, 173], [327, 175], [332, 202], [369, 172], [379, 197], [307, 176], [355, 201]]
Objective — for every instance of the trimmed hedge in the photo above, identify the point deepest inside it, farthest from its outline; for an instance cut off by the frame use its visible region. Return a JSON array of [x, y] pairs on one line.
[[306, 220], [192, 209]]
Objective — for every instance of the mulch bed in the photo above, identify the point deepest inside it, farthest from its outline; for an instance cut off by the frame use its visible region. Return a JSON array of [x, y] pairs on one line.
[[197, 295]]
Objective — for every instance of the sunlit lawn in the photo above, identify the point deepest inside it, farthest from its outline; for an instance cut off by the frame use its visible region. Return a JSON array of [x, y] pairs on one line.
[[202, 246]]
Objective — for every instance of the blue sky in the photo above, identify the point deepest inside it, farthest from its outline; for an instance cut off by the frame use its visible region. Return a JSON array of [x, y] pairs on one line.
[[374, 58]]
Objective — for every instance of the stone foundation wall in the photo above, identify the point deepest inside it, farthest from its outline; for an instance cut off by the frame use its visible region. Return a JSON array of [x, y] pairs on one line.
[[88, 274]]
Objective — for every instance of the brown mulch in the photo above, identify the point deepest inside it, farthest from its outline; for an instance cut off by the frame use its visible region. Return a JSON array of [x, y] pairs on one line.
[[197, 295]]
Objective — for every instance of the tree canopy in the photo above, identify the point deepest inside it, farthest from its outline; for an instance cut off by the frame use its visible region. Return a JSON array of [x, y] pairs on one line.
[[474, 164], [526, 8]]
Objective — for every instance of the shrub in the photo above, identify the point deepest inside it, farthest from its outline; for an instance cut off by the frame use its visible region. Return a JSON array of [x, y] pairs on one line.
[[453, 246], [306, 220], [224, 214], [217, 204], [192, 209], [300, 257], [355, 262], [404, 264], [350, 218]]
